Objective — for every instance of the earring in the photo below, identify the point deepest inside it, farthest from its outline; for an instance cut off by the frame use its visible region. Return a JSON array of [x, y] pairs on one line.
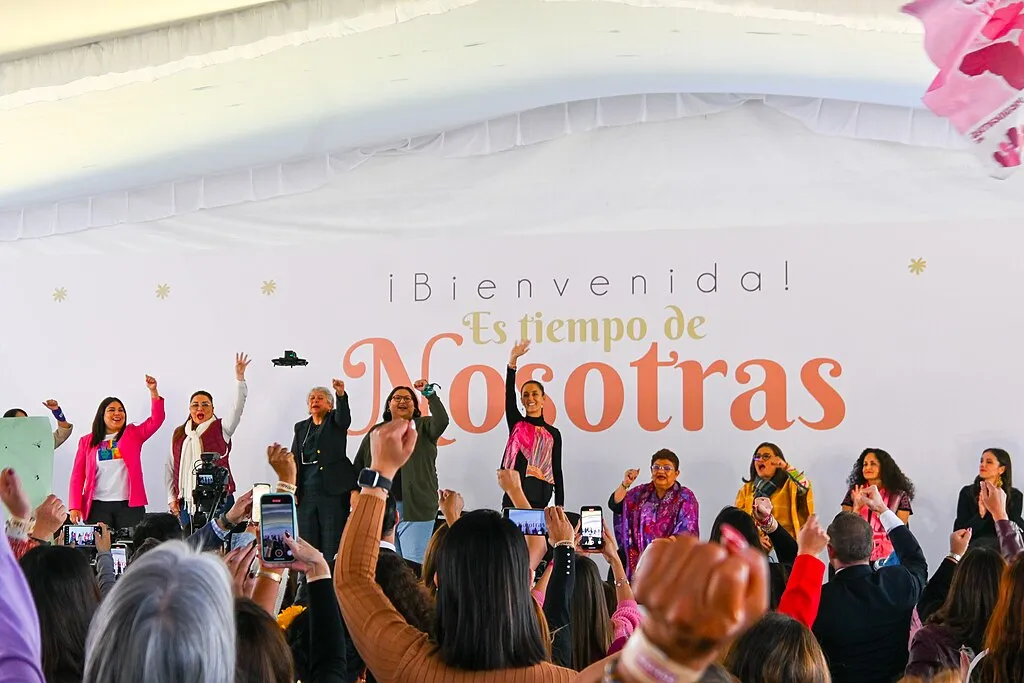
[[999, 483]]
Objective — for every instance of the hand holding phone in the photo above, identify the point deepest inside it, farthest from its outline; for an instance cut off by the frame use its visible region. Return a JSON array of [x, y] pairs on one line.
[[278, 519]]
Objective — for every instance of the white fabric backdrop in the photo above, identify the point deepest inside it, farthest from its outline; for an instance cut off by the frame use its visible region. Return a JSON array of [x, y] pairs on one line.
[[928, 362]]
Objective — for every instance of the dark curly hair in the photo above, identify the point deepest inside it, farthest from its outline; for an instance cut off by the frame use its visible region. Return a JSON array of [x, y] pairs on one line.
[[889, 472], [405, 591]]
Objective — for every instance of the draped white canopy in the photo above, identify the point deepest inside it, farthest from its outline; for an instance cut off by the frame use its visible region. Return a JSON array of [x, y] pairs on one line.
[[110, 115]]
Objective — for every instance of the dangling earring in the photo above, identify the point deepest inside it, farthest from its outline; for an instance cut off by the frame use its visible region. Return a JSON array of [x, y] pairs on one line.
[[999, 482]]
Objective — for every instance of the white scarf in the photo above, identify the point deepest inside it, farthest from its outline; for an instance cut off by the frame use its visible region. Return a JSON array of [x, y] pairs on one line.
[[191, 449]]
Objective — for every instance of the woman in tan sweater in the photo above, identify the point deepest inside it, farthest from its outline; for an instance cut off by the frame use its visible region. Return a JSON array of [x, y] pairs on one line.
[[487, 630]]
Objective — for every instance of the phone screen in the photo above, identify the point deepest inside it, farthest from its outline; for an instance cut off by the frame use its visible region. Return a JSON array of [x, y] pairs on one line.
[[80, 535], [120, 555], [277, 518], [530, 522], [591, 528], [258, 491]]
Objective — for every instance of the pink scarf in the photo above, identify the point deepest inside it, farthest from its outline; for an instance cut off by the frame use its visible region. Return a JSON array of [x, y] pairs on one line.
[[536, 444]]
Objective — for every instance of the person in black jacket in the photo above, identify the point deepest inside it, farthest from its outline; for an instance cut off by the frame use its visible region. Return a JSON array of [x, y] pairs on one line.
[[326, 477], [997, 469], [864, 616]]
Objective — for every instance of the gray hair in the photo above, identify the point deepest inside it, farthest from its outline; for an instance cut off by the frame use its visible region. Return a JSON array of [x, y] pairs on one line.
[[322, 390], [170, 618]]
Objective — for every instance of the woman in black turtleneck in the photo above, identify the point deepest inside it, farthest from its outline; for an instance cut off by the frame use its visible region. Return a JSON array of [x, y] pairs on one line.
[[534, 447]]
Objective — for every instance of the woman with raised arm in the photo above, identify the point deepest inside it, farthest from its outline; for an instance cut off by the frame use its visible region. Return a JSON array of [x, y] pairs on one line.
[[64, 428], [534, 448], [203, 432], [106, 480], [788, 489], [415, 487], [877, 468], [997, 469]]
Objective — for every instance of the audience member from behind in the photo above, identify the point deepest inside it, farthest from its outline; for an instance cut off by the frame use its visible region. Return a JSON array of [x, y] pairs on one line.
[[171, 617], [864, 616], [777, 649], [263, 654], [162, 526], [1003, 660], [785, 545], [485, 621], [963, 617], [66, 596]]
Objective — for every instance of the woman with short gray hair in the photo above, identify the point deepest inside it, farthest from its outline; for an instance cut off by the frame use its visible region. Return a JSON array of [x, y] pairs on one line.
[[326, 477], [170, 619]]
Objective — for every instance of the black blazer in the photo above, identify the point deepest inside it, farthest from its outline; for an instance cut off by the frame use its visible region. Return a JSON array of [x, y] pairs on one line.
[[338, 471], [863, 621], [983, 529]]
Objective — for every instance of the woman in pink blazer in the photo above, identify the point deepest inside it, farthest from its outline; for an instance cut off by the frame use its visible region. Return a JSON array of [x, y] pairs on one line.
[[106, 481]]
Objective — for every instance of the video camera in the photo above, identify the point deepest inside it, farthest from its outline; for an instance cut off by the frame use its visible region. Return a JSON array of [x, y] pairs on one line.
[[211, 489]]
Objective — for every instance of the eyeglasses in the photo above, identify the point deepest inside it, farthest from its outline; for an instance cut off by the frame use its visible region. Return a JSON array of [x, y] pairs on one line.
[[763, 456], [401, 399], [662, 468]]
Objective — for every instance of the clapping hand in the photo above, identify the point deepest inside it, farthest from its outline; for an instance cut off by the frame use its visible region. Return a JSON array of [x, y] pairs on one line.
[[993, 498], [856, 496]]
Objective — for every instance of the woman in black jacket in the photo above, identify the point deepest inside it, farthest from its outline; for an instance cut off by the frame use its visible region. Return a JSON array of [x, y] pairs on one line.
[[997, 469]]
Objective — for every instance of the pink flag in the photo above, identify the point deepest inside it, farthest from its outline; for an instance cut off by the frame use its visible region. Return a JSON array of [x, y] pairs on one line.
[[980, 86]]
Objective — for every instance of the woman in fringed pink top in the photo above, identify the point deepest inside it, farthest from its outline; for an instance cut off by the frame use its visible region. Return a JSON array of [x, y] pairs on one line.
[[534, 447]]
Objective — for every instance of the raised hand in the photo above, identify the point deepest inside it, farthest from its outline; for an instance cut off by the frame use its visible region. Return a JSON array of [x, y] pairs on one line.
[[391, 446], [283, 463], [699, 596], [873, 499], [13, 494], [629, 477], [517, 352], [509, 480], [51, 405], [451, 504], [762, 509], [857, 498], [419, 385], [103, 540], [241, 511], [151, 385], [812, 538], [241, 363], [339, 387], [559, 527], [959, 540], [50, 517]]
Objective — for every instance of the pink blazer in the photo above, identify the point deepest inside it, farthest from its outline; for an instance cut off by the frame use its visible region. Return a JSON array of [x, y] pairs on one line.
[[83, 473]]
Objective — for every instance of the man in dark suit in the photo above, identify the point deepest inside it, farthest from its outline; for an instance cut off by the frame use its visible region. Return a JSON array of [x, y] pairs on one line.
[[326, 477], [863, 621]]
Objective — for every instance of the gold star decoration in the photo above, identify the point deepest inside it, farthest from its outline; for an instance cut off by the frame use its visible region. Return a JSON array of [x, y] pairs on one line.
[[60, 294], [269, 287], [163, 291], [917, 265]]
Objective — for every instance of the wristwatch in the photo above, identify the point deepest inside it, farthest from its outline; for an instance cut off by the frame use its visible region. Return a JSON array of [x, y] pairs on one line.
[[956, 557], [370, 479]]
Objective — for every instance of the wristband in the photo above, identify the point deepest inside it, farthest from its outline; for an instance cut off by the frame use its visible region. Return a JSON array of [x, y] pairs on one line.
[[565, 544], [18, 528], [286, 487], [263, 574], [429, 390], [59, 414], [644, 662]]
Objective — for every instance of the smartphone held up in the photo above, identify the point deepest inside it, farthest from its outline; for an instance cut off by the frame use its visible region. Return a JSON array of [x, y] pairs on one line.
[[591, 528], [277, 518]]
